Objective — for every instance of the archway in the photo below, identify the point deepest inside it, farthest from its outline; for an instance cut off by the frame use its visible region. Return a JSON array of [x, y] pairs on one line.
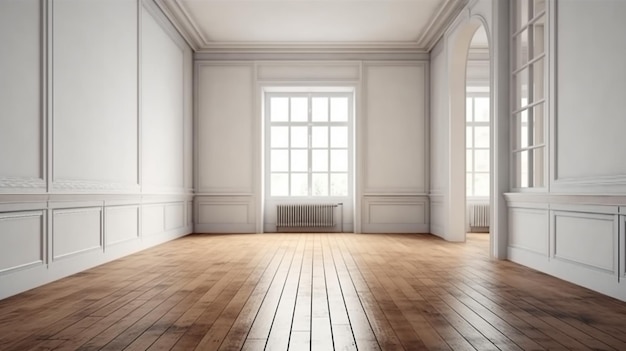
[[458, 57]]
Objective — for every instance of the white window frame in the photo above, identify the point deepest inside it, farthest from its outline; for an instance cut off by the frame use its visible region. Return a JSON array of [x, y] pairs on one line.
[[523, 103], [472, 124], [310, 124]]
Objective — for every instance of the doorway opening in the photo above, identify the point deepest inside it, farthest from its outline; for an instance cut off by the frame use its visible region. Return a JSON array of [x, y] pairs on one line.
[[477, 135]]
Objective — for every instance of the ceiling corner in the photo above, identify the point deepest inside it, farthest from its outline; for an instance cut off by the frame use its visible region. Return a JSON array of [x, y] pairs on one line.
[[182, 22], [440, 22]]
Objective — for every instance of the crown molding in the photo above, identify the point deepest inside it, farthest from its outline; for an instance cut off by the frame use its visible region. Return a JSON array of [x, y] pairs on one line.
[[180, 19], [189, 30], [440, 23]]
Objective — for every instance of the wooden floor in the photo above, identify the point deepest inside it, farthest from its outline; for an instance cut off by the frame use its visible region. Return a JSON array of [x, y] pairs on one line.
[[312, 291]]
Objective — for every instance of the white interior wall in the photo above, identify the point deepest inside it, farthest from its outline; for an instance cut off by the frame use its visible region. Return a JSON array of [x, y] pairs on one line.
[[439, 140], [573, 229], [99, 172], [390, 120]]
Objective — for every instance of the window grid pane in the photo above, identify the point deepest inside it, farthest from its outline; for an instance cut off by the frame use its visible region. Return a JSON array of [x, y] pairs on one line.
[[308, 150], [529, 92]]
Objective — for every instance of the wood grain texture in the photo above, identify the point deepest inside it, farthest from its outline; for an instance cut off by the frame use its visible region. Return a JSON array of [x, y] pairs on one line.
[[312, 292]]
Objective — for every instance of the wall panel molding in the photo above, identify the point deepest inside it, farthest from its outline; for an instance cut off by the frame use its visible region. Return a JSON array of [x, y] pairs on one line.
[[22, 96], [308, 71], [395, 214], [76, 231], [392, 124], [25, 233], [218, 214], [587, 239], [66, 185]]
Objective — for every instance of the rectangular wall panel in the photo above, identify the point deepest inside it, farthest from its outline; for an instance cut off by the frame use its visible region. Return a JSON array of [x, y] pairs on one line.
[[224, 125], [174, 216], [223, 213], [394, 145], [162, 106], [395, 214], [20, 94], [529, 229], [21, 240], [590, 92], [75, 231], [95, 94], [586, 239], [317, 71], [152, 219], [121, 224]]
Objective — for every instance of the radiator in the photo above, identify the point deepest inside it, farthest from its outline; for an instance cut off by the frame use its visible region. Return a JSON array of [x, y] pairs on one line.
[[305, 215], [479, 216]]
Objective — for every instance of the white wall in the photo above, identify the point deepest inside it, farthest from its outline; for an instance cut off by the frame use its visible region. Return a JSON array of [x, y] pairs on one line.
[[439, 140], [390, 119], [394, 148], [574, 229], [100, 171]]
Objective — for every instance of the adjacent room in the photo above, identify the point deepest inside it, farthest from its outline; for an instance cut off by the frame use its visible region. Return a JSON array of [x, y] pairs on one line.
[[312, 174]]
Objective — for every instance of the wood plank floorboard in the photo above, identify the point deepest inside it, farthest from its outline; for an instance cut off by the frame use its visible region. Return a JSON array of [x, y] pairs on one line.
[[312, 292]]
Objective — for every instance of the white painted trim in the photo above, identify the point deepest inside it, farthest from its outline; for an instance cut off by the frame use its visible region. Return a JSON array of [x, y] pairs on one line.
[[181, 19], [621, 248], [553, 199], [441, 22], [64, 185]]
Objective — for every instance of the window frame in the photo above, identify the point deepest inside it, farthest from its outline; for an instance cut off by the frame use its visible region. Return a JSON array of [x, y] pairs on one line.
[[524, 104], [310, 124], [473, 124]]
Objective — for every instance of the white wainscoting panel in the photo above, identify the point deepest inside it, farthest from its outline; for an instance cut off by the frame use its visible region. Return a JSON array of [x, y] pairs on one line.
[[121, 224], [21, 159], [395, 214], [174, 216], [587, 239], [95, 94], [21, 240], [225, 214], [76, 231], [152, 219], [529, 230], [438, 212], [303, 71], [224, 121], [189, 214], [162, 106], [395, 139]]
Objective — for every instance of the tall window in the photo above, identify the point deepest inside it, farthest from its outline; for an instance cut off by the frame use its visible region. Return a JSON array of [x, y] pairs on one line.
[[309, 138], [477, 144], [529, 98]]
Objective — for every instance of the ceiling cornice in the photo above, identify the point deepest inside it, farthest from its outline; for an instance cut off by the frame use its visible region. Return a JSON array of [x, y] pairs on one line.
[[182, 22], [179, 17], [440, 22]]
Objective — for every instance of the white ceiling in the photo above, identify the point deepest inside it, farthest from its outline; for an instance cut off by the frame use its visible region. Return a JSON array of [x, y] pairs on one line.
[[239, 24]]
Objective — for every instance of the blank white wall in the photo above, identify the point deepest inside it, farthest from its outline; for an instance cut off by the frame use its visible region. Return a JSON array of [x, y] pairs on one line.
[[95, 91], [162, 109], [439, 171], [224, 122], [591, 85], [20, 92], [394, 150]]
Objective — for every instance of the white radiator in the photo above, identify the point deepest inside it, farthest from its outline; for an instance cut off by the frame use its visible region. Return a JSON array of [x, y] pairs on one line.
[[305, 215], [479, 216]]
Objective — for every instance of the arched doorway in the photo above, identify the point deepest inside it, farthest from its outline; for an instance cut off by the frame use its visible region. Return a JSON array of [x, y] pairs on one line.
[[459, 46]]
